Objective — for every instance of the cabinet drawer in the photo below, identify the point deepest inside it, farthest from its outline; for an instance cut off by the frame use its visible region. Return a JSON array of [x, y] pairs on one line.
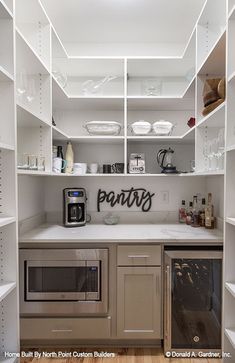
[[57, 328], [139, 255]]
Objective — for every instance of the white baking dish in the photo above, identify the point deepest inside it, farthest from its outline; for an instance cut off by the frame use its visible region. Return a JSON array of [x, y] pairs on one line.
[[103, 128], [141, 127], [163, 128]]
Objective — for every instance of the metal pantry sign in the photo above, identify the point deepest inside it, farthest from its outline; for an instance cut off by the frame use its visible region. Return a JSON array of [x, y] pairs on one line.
[[139, 197]]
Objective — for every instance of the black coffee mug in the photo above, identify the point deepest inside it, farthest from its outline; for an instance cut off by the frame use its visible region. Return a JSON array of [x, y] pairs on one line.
[[118, 168], [107, 169]]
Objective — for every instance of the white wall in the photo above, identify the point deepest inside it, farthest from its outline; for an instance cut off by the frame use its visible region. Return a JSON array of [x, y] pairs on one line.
[[31, 192], [178, 187]]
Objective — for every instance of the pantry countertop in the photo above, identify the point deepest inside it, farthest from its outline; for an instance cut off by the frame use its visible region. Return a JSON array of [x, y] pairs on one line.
[[122, 233]]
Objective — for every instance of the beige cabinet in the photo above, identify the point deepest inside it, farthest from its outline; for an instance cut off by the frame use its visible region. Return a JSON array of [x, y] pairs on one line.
[[139, 302]]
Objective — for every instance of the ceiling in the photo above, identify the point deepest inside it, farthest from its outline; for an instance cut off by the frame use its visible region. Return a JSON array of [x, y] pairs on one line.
[[117, 21]]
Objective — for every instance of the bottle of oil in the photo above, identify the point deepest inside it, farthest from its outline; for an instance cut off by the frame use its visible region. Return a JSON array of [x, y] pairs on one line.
[[195, 213], [209, 213]]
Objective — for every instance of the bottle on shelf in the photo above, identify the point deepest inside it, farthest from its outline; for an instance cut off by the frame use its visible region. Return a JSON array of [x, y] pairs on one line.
[[182, 212], [189, 213], [202, 213], [209, 213], [61, 156], [195, 213], [69, 157]]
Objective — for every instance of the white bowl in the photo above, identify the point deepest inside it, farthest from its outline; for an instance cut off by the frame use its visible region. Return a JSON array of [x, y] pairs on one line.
[[163, 128], [141, 127]]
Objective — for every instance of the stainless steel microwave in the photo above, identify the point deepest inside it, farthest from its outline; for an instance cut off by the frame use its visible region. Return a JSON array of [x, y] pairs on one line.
[[63, 281]]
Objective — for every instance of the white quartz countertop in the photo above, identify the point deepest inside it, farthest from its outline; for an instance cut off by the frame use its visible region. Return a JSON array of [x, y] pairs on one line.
[[122, 233]]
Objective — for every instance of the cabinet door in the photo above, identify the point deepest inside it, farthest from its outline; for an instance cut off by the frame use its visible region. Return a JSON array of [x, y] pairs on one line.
[[139, 302]]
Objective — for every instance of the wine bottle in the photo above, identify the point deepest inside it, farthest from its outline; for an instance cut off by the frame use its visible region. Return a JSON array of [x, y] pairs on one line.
[[209, 213]]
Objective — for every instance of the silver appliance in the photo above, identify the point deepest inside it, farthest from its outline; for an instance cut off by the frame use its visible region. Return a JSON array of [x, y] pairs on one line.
[[63, 282], [74, 207], [193, 299]]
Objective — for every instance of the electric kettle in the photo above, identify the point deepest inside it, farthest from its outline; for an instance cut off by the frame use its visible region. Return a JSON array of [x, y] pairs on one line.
[[164, 159]]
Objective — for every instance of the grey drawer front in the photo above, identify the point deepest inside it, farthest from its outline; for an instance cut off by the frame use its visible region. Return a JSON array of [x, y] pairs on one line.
[[139, 255], [53, 328]]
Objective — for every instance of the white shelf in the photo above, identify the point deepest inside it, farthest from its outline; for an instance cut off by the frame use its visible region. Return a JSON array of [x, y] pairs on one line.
[[230, 286], [209, 173], [6, 288], [231, 77], [5, 76], [172, 103], [230, 148], [98, 139], [33, 172], [28, 57], [59, 134], [5, 220], [28, 118], [231, 14], [230, 220], [6, 146], [230, 333], [214, 118], [215, 60], [5, 12]]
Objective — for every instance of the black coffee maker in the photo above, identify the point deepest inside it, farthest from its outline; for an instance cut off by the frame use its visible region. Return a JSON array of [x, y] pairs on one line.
[[74, 207]]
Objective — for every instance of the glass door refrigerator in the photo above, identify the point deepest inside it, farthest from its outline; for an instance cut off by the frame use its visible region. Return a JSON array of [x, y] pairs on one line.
[[193, 300]]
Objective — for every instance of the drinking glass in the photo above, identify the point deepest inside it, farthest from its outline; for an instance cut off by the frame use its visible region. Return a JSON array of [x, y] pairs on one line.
[[209, 154], [205, 154], [33, 162], [22, 83], [41, 163], [214, 150], [152, 87], [221, 143], [23, 162], [31, 90]]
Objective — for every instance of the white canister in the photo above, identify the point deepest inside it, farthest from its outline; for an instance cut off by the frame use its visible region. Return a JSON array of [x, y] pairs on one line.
[[79, 168], [93, 168]]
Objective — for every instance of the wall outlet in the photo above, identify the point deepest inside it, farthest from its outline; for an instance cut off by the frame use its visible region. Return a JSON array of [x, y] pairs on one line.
[[164, 197]]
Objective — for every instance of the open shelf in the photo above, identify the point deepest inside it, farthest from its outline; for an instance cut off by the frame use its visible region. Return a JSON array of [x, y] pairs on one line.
[[230, 333], [5, 220], [98, 139], [25, 53], [231, 15], [5, 75], [230, 148], [215, 60], [58, 134], [231, 78], [230, 220], [32, 172], [29, 118], [6, 146], [216, 118], [6, 288], [5, 12], [230, 287], [34, 25]]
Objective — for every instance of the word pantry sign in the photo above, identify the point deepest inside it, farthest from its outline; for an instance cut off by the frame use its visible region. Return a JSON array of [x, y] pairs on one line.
[[139, 197]]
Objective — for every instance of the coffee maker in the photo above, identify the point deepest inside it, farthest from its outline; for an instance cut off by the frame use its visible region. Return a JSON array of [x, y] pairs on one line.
[[74, 207]]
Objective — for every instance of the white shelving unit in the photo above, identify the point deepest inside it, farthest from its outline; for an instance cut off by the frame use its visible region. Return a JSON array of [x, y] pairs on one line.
[[9, 310], [229, 224], [40, 57]]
